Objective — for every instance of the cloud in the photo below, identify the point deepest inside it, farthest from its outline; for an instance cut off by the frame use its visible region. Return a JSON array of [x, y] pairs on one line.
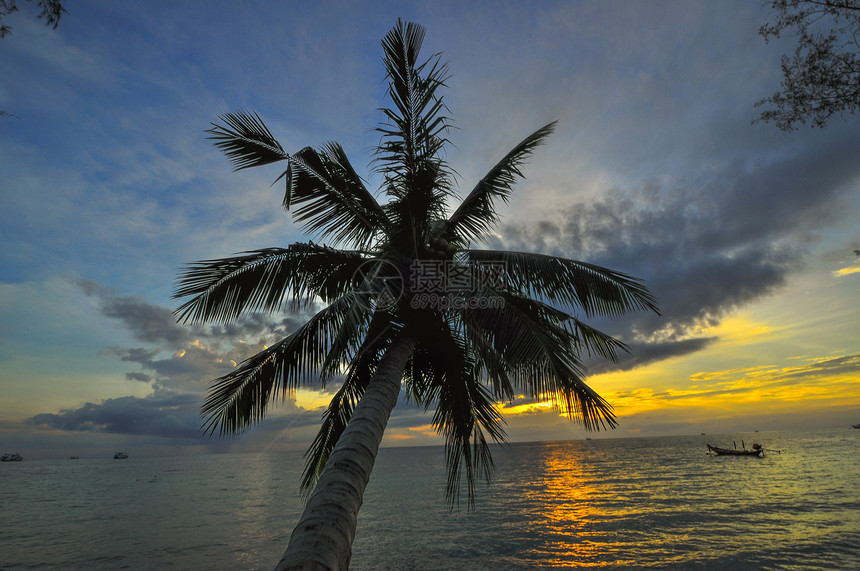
[[166, 414], [178, 361], [173, 415], [148, 323], [706, 242], [817, 369], [847, 271], [139, 355], [142, 377], [156, 324], [806, 380], [645, 353]]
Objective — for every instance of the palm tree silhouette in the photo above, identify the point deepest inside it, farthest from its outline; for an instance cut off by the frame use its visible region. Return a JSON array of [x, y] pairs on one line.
[[407, 301]]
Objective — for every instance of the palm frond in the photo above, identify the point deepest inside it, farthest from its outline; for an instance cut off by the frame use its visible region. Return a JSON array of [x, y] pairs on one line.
[[336, 203], [409, 153], [490, 363], [477, 214], [240, 398], [264, 280], [596, 342], [246, 140], [441, 373], [416, 119], [329, 198], [594, 289], [465, 411], [540, 349], [349, 337]]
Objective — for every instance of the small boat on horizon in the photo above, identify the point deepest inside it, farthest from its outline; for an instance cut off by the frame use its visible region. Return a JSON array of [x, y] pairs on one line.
[[855, 426], [14, 457], [756, 450], [120, 456]]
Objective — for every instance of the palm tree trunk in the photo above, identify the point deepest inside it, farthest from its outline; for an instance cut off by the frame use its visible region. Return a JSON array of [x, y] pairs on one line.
[[322, 540]]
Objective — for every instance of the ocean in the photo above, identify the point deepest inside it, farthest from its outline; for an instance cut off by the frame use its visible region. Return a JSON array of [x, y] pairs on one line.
[[630, 503]]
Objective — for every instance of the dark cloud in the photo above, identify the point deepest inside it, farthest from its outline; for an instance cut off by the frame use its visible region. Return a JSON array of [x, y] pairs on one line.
[[148, 323], [179, 362], [140, 355], [645, 353], [256, 325], [167, 414], [188, 369], [156, 324], [708, 242], [196, 354], [848, 365]]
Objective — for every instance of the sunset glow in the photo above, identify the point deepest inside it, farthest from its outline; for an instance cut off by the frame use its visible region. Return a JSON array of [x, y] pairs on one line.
[[745, 234]]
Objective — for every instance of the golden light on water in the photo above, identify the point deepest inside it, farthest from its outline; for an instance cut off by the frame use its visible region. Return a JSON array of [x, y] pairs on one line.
[[616, 503], [564, 507]]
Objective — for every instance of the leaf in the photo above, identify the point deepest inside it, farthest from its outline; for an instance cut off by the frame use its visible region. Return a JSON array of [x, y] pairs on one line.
[[442, 374], [408, 155], [264, 280], [594, 289], [246, 140], [477, 214], [325, 193], [541, 355], [240, 399]]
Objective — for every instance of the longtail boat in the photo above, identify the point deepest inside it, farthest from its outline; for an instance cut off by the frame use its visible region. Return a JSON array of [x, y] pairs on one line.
[[756, 450]]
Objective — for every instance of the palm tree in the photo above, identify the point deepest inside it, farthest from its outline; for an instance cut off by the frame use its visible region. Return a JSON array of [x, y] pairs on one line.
[[407, 302]]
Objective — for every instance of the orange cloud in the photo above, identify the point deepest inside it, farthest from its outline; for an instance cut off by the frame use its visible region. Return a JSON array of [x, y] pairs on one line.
[[846, 271], [815, 379]]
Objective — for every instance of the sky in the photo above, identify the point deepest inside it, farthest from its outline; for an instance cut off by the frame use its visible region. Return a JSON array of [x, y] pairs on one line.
[[109, 186]]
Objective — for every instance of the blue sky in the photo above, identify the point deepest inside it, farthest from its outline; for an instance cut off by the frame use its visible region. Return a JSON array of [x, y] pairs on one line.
[[109, 185]]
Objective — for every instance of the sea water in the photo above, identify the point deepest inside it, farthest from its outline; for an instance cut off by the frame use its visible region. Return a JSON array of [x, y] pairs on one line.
[[619, 503]]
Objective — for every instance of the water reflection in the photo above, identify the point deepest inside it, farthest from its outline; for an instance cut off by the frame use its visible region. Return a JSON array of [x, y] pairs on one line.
[[621, 503], [269, 503], [568, 509], [625, 503]]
